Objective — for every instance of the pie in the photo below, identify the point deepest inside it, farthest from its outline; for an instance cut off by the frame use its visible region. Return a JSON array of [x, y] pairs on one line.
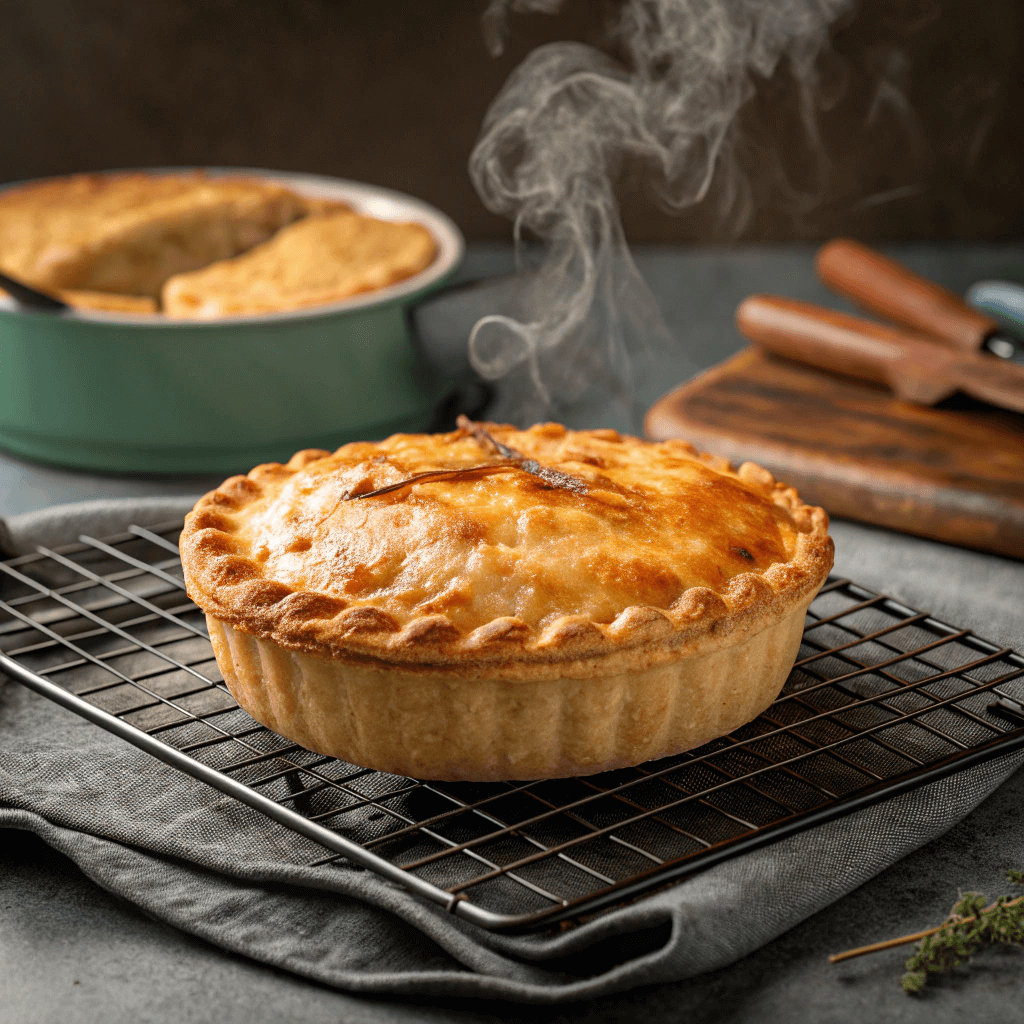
[[314, 261], [205, 246], [128, 233], [537, 604]]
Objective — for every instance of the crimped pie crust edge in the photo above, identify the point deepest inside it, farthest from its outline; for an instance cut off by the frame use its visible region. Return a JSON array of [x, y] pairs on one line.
[[232, 588]]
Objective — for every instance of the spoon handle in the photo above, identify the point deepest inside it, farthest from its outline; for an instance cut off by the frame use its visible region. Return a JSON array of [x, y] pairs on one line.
[[30, 297]]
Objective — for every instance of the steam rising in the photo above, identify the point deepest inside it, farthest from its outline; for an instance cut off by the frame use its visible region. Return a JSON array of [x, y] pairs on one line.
[[567, 121]]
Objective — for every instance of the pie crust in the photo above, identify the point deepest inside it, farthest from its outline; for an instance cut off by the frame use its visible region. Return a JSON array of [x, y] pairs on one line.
[[127, 233], [315, 261], [491, 625], [203, 246]]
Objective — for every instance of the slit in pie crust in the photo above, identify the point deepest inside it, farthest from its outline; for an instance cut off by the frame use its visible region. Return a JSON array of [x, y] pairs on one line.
[[491, 626]]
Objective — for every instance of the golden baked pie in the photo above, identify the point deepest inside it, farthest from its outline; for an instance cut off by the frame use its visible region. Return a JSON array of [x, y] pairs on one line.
[[208, 246], [46, 224], [315, 261], [128, 233], [537, 603]]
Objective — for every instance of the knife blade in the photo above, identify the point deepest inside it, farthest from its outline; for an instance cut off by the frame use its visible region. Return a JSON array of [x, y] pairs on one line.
[[1002, 300], [883, 286], [914, 367]]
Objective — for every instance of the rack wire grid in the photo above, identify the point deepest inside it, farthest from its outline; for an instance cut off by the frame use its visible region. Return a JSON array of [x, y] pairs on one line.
[[881, 699]]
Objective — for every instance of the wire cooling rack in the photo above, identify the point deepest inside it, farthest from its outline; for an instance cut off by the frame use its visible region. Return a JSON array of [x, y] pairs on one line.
[[881, 699]]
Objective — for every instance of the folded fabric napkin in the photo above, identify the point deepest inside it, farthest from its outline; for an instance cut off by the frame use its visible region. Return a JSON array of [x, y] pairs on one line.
[[217, 869]]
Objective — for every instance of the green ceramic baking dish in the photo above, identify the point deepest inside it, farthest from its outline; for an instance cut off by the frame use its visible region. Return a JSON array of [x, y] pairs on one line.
[[115, 393]]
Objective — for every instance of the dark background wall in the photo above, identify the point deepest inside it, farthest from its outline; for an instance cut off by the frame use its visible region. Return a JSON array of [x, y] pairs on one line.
[[924, 140]]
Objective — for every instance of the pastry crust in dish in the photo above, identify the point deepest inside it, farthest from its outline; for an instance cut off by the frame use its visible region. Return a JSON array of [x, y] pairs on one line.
[[128, 233], [491, 625], [318, 260]]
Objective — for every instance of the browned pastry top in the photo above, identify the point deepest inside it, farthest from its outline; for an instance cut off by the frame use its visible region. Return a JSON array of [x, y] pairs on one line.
[[314, 261], [645, 544], [127, 232]]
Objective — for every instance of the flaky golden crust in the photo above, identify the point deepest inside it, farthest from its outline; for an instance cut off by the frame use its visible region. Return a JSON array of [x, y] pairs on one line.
[[128, 232], [207, 246], [318, 260], [697, 556]]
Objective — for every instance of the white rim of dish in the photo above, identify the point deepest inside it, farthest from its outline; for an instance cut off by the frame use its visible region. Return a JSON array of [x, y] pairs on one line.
[[373, 200]]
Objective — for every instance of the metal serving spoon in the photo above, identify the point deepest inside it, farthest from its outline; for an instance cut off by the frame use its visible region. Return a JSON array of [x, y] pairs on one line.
[[31, 298]]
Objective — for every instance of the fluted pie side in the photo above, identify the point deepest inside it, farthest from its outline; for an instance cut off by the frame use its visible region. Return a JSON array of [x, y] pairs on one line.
[[502, 626], [445, 726]]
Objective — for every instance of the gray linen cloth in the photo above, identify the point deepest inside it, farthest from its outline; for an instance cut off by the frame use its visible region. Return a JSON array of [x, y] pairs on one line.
[[213, 867]]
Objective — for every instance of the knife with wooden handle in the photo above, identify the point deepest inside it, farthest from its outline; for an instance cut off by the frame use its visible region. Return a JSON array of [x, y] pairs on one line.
[[883, 286], [914, 367]]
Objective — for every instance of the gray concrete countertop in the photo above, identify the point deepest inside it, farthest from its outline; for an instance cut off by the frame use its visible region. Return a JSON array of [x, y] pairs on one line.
[[70, 952]]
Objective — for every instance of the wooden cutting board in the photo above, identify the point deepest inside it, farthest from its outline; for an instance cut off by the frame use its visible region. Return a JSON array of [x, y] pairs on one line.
[[954, 472]]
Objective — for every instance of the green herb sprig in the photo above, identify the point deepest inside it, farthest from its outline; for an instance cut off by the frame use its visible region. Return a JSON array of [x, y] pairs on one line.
[[968, 930], [971, 927], [511, 459]]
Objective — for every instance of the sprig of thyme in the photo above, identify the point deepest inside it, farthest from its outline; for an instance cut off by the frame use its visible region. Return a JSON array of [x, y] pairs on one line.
[[428, 477], [510, 459], [554, 477], [970, 928]]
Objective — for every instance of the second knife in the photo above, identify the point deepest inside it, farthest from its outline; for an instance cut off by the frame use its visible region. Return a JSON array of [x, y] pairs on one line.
[[882, 286], [914, 367]]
